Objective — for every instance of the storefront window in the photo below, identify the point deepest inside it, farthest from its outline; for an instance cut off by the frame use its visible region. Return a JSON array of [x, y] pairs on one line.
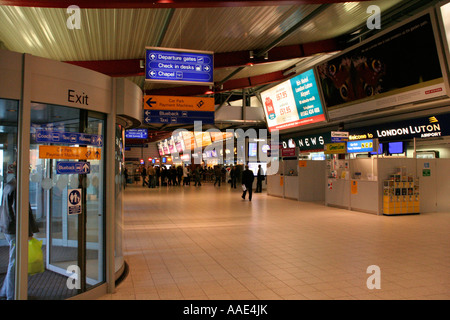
[[67, 196], [8, 158]]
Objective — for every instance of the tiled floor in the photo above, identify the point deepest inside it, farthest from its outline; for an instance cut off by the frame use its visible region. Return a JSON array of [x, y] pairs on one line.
[[208, 243]]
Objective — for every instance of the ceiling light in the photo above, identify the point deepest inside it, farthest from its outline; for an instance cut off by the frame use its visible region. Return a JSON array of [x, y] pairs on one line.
[[209, 91]]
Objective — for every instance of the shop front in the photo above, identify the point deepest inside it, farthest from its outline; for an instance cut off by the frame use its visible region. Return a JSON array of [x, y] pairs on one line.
[[62, 151], [389, 168]]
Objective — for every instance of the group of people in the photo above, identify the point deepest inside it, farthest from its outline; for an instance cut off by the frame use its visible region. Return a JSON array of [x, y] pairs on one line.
[[154, 176]]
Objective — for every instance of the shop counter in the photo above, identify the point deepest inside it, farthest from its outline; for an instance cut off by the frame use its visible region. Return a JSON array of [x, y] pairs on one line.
[[337, 193], [364, 196], [274, 185], [291, 187]]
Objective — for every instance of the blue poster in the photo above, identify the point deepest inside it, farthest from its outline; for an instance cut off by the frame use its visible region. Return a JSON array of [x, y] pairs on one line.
[[306, 95]]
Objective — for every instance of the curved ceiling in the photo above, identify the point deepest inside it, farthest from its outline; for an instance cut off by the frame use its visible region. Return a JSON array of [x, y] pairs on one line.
[[113, 34]]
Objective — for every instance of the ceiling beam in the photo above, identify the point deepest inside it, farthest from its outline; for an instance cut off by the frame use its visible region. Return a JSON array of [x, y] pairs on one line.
[[294, 28], [132, 67], [265, 51], [113, 68], [234, 84], [157, 4]]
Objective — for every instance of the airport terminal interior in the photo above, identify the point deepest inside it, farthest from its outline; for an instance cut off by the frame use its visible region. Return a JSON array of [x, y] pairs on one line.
[[225, 150]]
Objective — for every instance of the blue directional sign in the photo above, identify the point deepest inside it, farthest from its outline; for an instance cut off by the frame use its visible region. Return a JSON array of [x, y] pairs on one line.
[[179, 66], [360, 146], [136, 134], [72, 167], [178, 117], [45, 136]]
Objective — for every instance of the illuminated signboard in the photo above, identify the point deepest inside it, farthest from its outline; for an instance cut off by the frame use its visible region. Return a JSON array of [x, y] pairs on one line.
[[136, 134], [202, 138], [360, 146], [334, 148], [295, 102], [171, 144], [160, 148], [179, 142], [177, 109], [179, 66], [218, 136], [188, 139], [252, 149], [383, 71]]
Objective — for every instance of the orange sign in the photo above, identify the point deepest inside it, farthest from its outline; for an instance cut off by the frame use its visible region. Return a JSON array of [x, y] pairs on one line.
[[354, 187], [75, 153], [178, 103], [302, 163]]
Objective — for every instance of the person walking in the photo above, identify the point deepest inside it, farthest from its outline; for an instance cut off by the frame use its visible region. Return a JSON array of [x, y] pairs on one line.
[[259, 179], [185, 175], [157, 175], [8, 227], [247, 183], [233, 176], [151, 176], [218, 175], [179, 174], [143, 175], [198, 177]]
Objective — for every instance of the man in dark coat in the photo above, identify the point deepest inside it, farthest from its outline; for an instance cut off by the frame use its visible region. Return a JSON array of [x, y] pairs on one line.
[[247, 181], [233, 176], [259, 179]]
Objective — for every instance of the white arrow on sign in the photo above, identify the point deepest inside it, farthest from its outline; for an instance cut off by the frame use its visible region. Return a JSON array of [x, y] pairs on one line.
[[86, 167]]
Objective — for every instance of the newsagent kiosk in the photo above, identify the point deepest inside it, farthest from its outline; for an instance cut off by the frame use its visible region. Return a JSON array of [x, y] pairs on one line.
[[61, 131]]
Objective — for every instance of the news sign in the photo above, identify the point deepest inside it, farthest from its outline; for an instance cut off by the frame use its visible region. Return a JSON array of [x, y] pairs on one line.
[[292, 103]]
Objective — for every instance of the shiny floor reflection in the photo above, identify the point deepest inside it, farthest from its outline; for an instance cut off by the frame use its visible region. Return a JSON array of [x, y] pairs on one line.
[[207, 243]]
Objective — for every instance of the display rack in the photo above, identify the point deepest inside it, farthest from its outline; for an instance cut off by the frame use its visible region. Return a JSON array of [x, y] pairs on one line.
[[401, 194]]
